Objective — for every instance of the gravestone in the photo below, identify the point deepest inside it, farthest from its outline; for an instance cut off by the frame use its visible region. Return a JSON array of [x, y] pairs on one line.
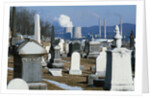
[[101, 63], [118, 70], [76, 46], [75, 64], [57, 63], [70, 49], [18, 84], [55, 72], [94, 49], [66, 48], [132, 42], [90, 79], [86, 48], [27, 63], [61, 44]]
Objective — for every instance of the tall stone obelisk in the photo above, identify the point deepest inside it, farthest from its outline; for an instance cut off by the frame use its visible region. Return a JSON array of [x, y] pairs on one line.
[[37, 29]]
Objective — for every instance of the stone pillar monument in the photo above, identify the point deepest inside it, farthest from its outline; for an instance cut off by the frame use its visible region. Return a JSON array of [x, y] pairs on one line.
[[37, 32], [118, 70]]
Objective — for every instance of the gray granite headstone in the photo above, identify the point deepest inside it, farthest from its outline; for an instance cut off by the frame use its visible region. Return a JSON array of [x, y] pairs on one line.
[[29, 62]]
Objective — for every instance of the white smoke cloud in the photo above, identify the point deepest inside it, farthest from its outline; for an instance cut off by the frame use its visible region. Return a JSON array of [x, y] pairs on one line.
[[64, 21]]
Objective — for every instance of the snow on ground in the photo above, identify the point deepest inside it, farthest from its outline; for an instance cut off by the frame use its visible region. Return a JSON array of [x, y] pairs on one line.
[[61, 85]]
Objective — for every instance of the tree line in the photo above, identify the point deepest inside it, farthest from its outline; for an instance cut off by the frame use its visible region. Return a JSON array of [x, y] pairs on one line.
[[25, 22]]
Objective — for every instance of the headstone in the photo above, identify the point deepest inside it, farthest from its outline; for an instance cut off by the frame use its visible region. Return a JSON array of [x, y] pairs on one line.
[[132, 42], [18, 84], [70, 49], [75, 64], [101, 63], [94, 49], [37, 32], [66, 48], [55, 72], [27, 65], [61, 44], [57, 63], [118, 71], [90, 79], [76, 46], [43, 62], [86, 48]]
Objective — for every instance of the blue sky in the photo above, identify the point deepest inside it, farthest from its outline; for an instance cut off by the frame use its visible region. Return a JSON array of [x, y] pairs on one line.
[[88, 15]]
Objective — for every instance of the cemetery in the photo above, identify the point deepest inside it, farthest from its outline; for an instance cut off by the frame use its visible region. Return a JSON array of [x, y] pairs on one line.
[[71, 64]]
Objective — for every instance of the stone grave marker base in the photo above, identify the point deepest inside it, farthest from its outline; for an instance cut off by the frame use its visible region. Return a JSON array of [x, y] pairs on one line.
[[37, 86], [55, 72], [101, 73], [75, 72], [91, 78]]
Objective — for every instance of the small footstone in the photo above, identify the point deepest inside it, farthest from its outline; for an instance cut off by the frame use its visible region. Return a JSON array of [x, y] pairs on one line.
[[91, 78], [55, 72], [18, 84]]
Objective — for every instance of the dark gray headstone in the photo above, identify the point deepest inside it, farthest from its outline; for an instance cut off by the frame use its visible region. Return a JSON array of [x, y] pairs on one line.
[[76, 46], [132, 41]]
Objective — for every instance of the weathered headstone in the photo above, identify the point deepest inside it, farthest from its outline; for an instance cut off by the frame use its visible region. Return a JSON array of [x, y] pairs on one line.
[[27, 64], [132, 41], [18, 84], [90, 79], [61, 44], [94, 49], [76, 46], [57, 63], [101, 63], [66, 48], [75, 64], [118, 71]]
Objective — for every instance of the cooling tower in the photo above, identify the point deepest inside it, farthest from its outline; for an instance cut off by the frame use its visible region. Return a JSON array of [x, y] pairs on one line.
[[68, 30], [77, 32]]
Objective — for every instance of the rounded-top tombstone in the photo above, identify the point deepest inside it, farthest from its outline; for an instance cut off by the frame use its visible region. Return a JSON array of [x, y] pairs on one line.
[[18, 84], [75, 64]]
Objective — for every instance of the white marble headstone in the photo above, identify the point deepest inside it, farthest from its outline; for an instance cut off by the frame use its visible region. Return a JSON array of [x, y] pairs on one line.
[[61, 44], [101, 63], [118, 71], [75, 64], [18, 84]]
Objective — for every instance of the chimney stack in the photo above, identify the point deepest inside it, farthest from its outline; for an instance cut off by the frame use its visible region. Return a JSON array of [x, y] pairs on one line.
[[99, 27], [121, 26], [105, 28]]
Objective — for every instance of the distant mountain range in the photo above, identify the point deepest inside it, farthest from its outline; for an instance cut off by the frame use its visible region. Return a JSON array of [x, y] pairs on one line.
[[94, 30]]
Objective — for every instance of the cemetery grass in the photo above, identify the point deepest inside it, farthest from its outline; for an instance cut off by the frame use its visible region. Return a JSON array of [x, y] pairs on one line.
[[71, 80]]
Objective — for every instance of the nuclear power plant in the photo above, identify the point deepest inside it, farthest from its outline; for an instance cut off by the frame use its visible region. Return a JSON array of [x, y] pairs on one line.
[[69, 30], [77, 32]]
